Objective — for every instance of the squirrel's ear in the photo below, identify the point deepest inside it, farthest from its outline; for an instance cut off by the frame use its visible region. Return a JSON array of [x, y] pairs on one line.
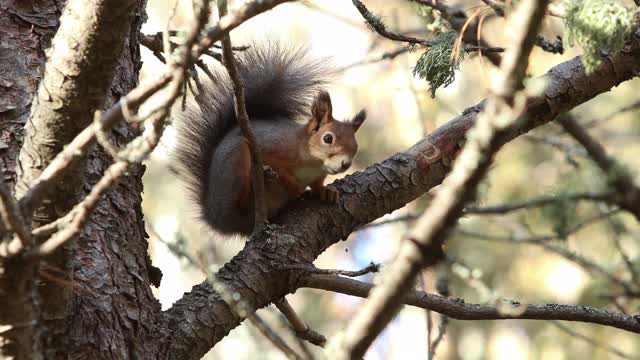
[[320, 111], [358, 119]]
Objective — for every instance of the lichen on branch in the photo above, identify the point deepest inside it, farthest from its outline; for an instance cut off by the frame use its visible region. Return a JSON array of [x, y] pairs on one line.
[[597, 25]]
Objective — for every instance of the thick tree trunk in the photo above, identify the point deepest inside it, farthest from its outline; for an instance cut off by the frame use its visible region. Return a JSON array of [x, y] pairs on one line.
[[95, 300]]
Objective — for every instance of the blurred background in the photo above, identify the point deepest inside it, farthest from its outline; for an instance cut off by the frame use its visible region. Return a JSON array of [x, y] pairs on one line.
[[491, 256]]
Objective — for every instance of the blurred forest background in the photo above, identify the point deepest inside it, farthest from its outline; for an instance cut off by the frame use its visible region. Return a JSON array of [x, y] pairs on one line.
[[568, 251]]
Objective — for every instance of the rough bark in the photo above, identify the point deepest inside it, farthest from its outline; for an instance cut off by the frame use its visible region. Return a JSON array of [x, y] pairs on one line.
[[200, 319], [26, 29], [112, 313], [98, 304]]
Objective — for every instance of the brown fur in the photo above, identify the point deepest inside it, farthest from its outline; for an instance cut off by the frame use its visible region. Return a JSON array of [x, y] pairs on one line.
[[281, 86]]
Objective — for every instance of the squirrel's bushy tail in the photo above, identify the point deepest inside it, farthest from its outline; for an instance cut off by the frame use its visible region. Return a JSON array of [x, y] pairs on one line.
[[279, 82]]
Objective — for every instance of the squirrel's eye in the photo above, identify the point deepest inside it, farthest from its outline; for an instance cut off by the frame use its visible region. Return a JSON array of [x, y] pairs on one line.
[[327, 138]]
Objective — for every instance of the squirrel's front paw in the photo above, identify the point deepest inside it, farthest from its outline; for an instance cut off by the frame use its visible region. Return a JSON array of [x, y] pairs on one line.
[[270, 175], [329, 195]]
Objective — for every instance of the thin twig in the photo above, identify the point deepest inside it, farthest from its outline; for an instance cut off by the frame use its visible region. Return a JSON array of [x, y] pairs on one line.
[[138, 95], [376, 24], [12, 218], [506, 208], [237, 305], [541, 238], [272, 336], [428, 316], [442, 329], [424, 244], [537, 202], [371, 268], [79, 216], [389, 55], [593, 342], [544, 241], [570, 150], [137, 150], [459, 309], [85, 139], [467, 28], [628, 193], [618, 228], [631, 107], [257, 167], [590, 266], [301, 329]]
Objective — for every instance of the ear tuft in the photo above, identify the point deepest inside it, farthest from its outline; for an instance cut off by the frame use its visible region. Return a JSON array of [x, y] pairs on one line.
[[358, 119], [320, 112], [321, 109]]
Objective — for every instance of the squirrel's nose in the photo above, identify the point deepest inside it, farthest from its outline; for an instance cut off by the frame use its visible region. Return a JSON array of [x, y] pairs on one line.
[[346, 164]]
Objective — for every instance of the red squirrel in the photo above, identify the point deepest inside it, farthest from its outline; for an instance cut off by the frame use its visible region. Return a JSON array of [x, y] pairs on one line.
[[282, 85]]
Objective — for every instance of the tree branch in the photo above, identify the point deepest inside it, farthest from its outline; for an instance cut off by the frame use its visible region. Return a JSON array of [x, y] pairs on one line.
[[257, 167], [12, 222], [423, 246], [458, 309], [308, 227], [77, 76], [469, 28], [628, 193]]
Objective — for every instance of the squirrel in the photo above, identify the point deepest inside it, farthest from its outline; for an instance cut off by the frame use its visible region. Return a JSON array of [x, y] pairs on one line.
[[282, 85]]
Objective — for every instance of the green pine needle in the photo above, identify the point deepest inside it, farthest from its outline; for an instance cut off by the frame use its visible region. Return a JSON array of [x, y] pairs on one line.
[[435, 64]]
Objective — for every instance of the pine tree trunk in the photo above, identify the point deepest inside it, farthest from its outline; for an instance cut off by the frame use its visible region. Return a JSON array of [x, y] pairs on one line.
[[93, 298]]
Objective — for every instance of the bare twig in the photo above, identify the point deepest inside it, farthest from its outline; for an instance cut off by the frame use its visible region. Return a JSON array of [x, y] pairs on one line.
[[416, 171], [494, 6], [72, 224], [233, 20], [257, 182], [157, 45], [442, 329], [134, 152], [428, 315], [389, 55], [424, 243], [238, 306], [506, 208], [618, 228], [273, 337], [372, 268], [257, 168], [459, 309], [544, 241], [79, 216], [467, 28], [628, 192], [114, 115], [12, 218], [335, 14], [84, 140], [537, 202], [571, 151], [542, 238], [376, 24], [590, 266], [593, 342], [302, 330], [631, 107]]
